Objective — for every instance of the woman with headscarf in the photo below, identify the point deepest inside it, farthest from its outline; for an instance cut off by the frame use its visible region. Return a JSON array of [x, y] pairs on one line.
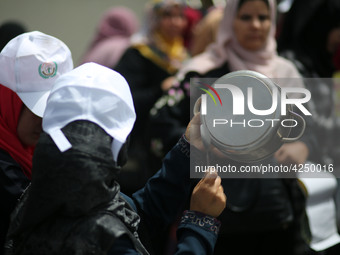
[[241, 44], [155, 55], [74, 204], [269, 207], [112, 38], [29, 64]]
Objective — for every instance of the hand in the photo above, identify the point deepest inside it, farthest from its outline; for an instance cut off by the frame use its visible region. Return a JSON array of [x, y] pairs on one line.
[[208, 196], [167, 83], [292, 153], [193, 136]]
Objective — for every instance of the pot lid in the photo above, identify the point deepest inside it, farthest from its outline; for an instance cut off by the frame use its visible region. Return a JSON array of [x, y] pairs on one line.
[[247, 110]]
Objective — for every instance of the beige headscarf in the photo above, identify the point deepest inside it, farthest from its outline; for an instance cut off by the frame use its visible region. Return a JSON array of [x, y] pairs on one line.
[[227, 49]]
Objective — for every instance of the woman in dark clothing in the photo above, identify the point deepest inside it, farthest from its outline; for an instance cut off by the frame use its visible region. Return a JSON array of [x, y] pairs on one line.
[[74, 204], [263, 215], [155, 55], [15, 157], [305, 39]]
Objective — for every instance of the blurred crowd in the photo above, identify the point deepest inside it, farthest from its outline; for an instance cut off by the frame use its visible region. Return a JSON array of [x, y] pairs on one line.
[[95, 159]]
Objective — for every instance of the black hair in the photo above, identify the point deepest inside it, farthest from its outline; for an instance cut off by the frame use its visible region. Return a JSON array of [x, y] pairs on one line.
[[9, 30]]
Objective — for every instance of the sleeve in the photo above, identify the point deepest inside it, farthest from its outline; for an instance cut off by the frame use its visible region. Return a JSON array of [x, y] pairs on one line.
[[164, 197], [123, 246], [197, 234], [165, 194], [13, 182]]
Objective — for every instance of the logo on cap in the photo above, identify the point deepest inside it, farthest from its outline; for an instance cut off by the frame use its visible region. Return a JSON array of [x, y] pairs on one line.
[[48, 69]]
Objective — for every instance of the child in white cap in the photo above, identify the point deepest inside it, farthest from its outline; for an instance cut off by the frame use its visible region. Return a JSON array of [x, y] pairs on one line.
[[29, 65], [74, 204]]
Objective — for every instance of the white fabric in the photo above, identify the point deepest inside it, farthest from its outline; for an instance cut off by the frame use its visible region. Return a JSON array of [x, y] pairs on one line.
[[60, 140], [321, 210], [95, 93], [29, 65]]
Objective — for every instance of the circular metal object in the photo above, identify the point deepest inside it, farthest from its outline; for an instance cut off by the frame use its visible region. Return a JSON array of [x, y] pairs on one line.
[[246, 122]]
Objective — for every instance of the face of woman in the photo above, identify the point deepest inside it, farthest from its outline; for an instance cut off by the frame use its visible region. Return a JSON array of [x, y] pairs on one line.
[[172, 22], [29, 127], [252, 25]]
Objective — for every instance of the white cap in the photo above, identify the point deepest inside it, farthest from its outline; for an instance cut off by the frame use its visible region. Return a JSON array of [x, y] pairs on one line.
[[29, 65], [95, 93]]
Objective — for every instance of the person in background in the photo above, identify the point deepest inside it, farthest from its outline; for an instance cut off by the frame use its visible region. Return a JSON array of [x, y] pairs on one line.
[[156, 53], [29, 64], [112, 37], [74, 203], [261, 214], [9, 30], [310, 38], [310, 41]]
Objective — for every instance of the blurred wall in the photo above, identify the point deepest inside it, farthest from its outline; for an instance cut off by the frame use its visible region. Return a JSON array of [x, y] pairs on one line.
[[72, 21]]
